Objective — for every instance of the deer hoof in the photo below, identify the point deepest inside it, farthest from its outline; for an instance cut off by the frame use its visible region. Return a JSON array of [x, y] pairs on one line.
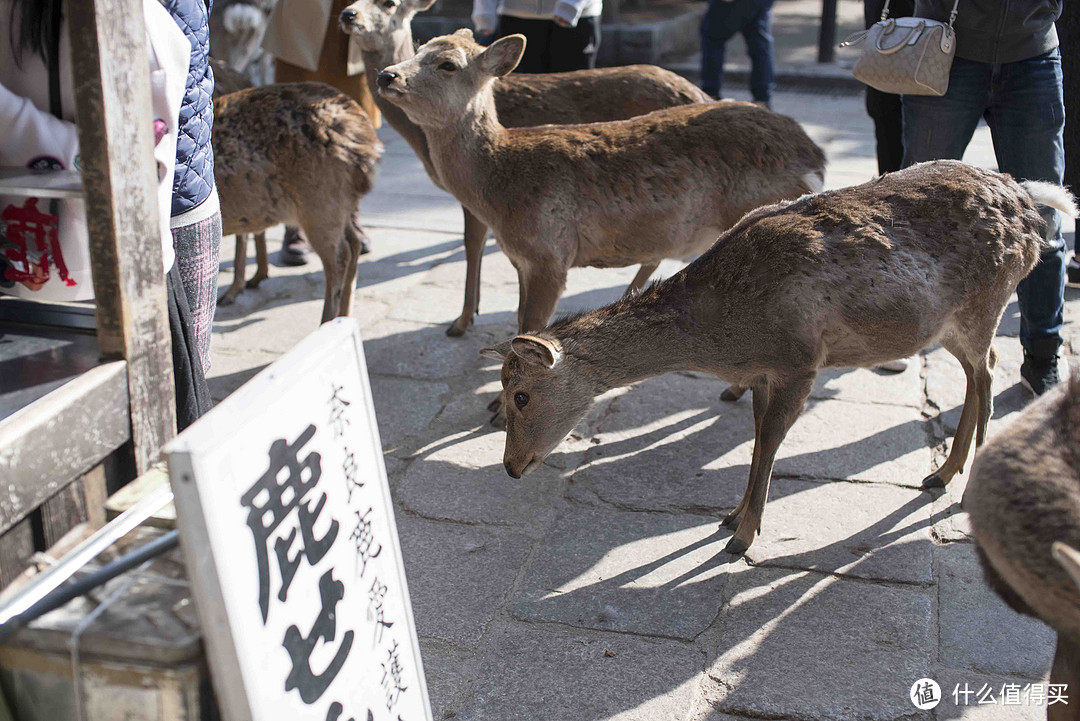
[[455, 331], [732, 393], [933, 481], [254, 282], [228, 298], [736, 546]]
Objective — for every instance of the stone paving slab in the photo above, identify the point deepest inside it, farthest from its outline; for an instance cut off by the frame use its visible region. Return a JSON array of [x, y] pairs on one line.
[[986, 688], [857, 529], [534, 672], [404, 407], [657, 574], [977, 630], [447, 670], [463, 479], [422, 352], [458, 575], [866, 385], [807, 646], [857, 441], [669, 444]]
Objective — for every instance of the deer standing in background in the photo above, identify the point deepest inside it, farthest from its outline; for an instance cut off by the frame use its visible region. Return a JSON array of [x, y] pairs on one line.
[[227, 80], [302, 154], [850, 277], [660, 185], [1024, 501], [383, 30]]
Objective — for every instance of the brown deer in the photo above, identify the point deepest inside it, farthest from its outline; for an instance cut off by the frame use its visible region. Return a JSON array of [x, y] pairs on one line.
[[660, 185], [1024, 501], [227, 80], [384, 32], [302, 154], [850, 277]]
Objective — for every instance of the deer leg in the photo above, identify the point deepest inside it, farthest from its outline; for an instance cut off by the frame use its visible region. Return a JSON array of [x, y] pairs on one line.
[[543, 289], [475, 239], [761, 401], [984, 380], [639, 281], [785, 402], [262, 261], [239, 269], [326, 234], [733, 393], [350, 253], [965, 429]]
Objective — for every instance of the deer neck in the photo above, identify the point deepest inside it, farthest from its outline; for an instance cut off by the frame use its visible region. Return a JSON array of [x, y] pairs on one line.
[[630, 341], [397, 49], [464, 152]]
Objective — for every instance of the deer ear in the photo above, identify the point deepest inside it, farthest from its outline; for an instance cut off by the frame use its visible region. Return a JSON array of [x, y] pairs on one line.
[[534, 349], [502, 56], [421, 5], [1069, 558], [465, 33], [499, 351]]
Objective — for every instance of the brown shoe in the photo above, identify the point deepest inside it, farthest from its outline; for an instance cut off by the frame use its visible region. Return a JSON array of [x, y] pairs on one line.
[[295, 249]]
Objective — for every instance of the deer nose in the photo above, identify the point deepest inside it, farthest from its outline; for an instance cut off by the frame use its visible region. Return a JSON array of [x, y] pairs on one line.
[[510, 470], [385, 78], [347, 16]]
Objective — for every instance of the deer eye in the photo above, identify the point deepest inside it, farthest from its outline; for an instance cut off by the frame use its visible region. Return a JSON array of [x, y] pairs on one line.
[[389, 4], [449, 67], [521, 400]]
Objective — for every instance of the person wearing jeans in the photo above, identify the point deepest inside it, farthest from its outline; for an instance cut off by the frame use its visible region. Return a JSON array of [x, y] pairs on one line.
[[752, 18], [1007, 70]]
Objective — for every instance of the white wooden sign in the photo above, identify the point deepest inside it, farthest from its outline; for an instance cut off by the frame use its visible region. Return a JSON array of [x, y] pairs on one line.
[[289, 536]]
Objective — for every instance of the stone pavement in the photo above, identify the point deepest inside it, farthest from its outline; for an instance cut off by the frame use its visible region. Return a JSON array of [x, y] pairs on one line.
[[597, 587]]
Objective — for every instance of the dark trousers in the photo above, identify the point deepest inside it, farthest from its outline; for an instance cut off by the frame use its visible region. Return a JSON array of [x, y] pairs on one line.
[[752, 18], [551, 48], [1023, 105], [885, 109]]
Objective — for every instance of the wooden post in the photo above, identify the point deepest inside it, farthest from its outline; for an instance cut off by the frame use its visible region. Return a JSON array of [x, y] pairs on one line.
[[827, 33], [112, 98]]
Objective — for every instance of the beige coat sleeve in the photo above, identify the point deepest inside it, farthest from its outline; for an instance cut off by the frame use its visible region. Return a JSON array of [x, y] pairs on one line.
[[296, 32]]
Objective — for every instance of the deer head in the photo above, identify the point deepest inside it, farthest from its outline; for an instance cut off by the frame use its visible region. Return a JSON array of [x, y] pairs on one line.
[[447, 73], [371, 22], [544, 396]]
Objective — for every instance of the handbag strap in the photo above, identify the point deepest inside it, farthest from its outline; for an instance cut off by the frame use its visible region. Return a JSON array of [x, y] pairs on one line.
[[952, 15]]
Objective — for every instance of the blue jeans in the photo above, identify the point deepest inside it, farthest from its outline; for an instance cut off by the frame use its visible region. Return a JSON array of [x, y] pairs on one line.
[[1023, 105], [753, 18]]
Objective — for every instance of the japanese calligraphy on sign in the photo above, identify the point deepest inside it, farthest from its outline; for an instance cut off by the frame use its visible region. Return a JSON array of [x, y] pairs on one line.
[[289, 534]]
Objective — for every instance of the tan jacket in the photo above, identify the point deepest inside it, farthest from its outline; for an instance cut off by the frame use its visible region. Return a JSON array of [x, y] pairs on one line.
[[296, 33]]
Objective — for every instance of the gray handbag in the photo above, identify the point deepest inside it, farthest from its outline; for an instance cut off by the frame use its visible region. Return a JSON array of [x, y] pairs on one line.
[[906, 56]]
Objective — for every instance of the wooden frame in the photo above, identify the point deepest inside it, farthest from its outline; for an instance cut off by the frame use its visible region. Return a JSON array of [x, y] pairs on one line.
[[54, 441]]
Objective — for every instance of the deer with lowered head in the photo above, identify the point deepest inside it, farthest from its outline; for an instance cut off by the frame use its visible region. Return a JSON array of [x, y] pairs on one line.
[[1024, 500], [303, 154], [850, 277], [660, 185], [384, 32]]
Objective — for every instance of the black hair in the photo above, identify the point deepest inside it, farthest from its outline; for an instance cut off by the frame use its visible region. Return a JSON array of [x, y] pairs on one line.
[[34, 30]]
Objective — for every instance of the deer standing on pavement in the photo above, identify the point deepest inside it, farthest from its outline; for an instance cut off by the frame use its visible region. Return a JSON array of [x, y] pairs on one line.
[[850, 277], [1024, 501], [660, 185], [384, 32], [302, 154]]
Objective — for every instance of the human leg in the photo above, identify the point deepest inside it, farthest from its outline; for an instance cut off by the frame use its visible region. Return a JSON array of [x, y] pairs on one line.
[[537, 36], [197, 249], [937, 128], [1027, 120], [722, 20], [759, 46], [574, 48]]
